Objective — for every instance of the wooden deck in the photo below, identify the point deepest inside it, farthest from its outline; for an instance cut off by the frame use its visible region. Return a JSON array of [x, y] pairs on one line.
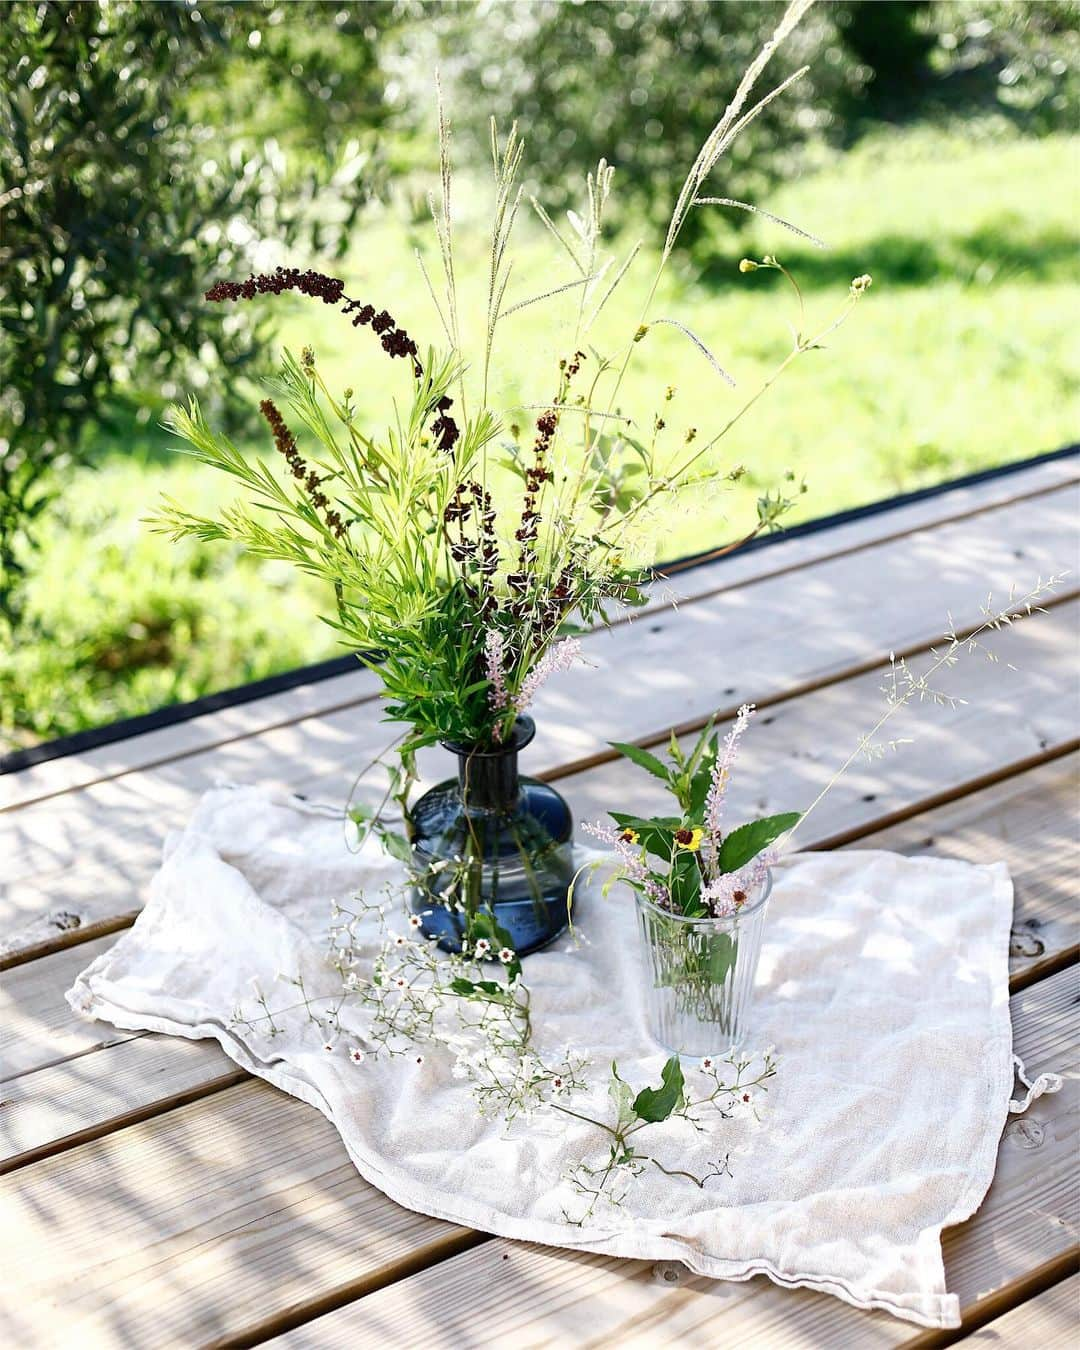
[[155, 1195]]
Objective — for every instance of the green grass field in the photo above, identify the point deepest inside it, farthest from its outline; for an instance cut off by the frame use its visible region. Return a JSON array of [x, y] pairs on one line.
[[965, 354]]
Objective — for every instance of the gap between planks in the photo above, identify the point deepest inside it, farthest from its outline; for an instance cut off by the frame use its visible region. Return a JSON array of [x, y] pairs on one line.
[[1059, 484], [1010, 1299], [725, 713]]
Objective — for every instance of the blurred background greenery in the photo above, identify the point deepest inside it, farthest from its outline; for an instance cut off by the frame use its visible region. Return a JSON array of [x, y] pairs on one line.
[[147, 149]]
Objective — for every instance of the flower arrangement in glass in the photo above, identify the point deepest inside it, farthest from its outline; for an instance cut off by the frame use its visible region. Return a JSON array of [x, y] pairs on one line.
[[463, 556], [701, 893]]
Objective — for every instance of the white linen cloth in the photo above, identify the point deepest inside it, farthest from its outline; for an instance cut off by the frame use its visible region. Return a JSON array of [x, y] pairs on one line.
[[883, 986]]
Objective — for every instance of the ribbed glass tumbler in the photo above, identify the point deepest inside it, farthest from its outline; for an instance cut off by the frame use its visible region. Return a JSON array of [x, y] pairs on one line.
[[699, 975]]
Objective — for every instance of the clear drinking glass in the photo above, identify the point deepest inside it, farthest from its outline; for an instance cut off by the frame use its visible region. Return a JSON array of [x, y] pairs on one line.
[[699, 975]]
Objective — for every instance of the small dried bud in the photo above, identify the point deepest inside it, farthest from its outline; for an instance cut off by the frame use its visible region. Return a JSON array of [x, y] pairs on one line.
[[669, 393], [307, 357], [748, 265], [861, 284], [641, 332], [691, 432]]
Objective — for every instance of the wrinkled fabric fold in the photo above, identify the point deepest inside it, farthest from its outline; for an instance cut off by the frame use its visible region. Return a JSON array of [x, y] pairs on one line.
[[883, 986]]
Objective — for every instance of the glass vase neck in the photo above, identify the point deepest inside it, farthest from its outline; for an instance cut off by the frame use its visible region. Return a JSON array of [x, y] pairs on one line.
[[488, 774]]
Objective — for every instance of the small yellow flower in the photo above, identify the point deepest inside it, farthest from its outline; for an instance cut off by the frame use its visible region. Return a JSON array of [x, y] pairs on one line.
[[748, 265], [690, 840], [630, 836]]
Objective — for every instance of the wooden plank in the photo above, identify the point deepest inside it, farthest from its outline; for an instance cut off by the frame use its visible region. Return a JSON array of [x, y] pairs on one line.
[[53, 1102], [91, 1095], [37, 1028], [511, 1293], [325, 696], [182, 1230], [114, 828], [1050, 1321]]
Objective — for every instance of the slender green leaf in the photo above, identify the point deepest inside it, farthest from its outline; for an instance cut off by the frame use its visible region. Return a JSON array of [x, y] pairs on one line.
[[642, 759]]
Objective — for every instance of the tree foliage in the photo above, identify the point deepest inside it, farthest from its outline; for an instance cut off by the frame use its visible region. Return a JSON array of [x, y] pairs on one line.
[[126, 189], [642, 85]]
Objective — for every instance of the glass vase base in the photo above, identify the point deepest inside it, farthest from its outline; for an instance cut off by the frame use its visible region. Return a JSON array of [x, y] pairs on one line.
[[529, 927]]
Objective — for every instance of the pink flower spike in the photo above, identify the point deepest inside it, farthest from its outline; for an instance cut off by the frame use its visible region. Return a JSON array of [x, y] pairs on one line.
[[714, 802], [560, 656], [494, 655]]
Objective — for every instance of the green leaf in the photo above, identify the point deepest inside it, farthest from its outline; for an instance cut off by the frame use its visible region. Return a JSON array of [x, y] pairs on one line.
[[684, 882], [642, 759], [701, 766], [656, 1104], [748, 840], [722, 952], [463, 987], [656, 834], [622, 1097], [396, 845], [492, 988]]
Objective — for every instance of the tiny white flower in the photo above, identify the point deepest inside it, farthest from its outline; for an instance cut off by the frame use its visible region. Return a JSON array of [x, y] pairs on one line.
[[356, 1055], [706, 1064], [557, 1084], [352, 980], [400, 982], [328, 1046], [398, 940], [415, 921], [506, 956], [482, 947]]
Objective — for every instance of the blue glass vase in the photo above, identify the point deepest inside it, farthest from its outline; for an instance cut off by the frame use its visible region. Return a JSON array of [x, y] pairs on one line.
[[491, 842]]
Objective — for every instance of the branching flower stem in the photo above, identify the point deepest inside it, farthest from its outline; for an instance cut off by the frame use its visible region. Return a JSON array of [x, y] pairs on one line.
[[920, 687]]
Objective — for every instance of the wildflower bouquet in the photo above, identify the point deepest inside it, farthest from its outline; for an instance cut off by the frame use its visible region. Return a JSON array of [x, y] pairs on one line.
[[464, 554], [701, 890], [686, 864]]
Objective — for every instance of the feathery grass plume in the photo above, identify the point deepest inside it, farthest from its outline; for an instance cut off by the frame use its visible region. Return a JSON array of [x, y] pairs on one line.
[[903, 686], [555, 232], [728, 126], [701, 348], [505, 165], [627, 263], [760, 211]]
